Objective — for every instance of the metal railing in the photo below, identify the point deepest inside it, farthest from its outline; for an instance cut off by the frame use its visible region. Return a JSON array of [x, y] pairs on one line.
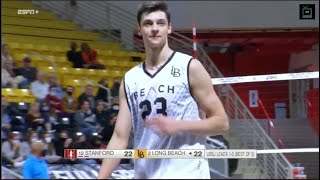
[[52, 61], [109, 103], [242, 121], [253, 136], [271, 129]]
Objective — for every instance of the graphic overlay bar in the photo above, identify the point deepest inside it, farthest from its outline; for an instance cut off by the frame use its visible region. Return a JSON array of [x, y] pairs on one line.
[[298, 150], [98, 153], [231, 154], [175, 154], [268, 77]]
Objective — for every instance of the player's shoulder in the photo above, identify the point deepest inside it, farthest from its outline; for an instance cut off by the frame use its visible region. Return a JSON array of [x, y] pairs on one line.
[[195, 66], [133, 71], [180, 55], [182, 60]]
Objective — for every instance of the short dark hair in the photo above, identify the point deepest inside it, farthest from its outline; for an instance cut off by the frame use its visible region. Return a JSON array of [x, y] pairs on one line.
[[149, 7], [84, 101], [52, 86], [27, 59]]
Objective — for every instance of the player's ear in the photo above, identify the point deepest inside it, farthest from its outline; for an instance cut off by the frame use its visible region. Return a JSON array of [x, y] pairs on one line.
[[139, 30], [169, 28]]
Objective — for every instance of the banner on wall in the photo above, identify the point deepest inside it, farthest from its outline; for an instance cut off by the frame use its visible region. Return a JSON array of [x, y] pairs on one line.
[[253, 98]]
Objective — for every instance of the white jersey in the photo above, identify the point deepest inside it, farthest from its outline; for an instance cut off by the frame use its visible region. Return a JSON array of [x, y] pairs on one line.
[[166, 92]]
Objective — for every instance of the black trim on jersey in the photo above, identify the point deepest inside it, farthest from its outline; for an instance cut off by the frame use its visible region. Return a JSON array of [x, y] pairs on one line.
[[125, 92], [189, 77], [152, 76]]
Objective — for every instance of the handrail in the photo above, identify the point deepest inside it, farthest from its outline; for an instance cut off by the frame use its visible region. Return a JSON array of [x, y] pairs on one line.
[[11, 172], [105, 88], [274, 129], [54, 65], [271, 125]]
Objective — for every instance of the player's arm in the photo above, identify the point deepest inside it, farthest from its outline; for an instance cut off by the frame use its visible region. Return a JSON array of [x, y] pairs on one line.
[[202, 90], [120, 137]]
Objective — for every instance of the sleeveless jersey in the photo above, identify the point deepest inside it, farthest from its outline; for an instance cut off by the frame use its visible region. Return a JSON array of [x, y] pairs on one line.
[[166, 92]]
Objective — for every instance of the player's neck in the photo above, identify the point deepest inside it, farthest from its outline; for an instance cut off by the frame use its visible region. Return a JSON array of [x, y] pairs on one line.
[[158, 56]]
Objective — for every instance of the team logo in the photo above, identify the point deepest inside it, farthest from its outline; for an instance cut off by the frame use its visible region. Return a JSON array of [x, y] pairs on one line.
[[70, 153], [175, 72], [140, 153]]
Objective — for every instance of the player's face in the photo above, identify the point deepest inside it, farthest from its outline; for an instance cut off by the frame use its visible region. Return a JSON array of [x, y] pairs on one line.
[[154, 29]]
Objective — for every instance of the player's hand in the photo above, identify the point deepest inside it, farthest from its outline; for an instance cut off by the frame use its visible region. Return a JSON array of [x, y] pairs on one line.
[[7, 126], [162, 125], [67, 142]]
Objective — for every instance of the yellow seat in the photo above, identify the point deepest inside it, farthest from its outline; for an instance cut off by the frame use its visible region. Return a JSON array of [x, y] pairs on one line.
[[59, 48], [64, 64], [13, 45], [92, 74], [110, 83], [17, 4], [104, 73], [61, 59], [63, 70], [36, 58], [42, 47], [89, 72], [42, 63], [10, 94], [72, 82], [124, 64], [78, 72], [19, 57], [64, 73], [6, 92], [27, 95], [117, 73], [132, 64], [27, 46], [51, 58], [110, 63], [24, 92], [106, 53], [47, 69]]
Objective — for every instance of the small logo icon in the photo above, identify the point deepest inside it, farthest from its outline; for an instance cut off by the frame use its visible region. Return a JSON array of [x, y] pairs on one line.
[[140, 153], [175, 72], [27, 11], [307, 11], [70, 153]]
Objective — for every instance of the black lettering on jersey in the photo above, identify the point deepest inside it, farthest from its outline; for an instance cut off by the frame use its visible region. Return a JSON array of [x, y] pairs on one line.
[[135, 95], [171, 89], [160, 89], [175, 72], [142, 92], [163, 102], [146, 106]]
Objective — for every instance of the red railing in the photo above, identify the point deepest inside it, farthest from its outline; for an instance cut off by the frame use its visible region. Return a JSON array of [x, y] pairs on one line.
[[272, 130]]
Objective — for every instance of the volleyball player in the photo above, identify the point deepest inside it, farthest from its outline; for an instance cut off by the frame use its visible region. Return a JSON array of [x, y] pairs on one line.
[[160, 101]]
